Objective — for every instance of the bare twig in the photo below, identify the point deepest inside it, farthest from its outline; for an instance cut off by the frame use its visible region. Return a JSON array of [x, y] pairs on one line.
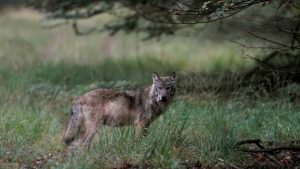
[[54, 25], [256, 142], [255, 47], [274, 160], [229, 164], [295, 35], [78, 32], [76, 15], [271, 150], [266, 39], [261, 62], [262, 148], [188, 5]]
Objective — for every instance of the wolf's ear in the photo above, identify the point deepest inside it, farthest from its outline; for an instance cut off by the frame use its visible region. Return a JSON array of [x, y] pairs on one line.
[[173, 76], [155, 77]]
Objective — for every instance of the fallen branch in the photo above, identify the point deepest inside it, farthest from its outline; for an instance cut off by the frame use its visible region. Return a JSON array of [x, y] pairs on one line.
[[262, 149], [256, 142], [271, 150], [228, 164]]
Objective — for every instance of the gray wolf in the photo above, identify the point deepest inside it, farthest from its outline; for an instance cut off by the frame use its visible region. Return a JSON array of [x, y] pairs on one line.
[[119, 108]]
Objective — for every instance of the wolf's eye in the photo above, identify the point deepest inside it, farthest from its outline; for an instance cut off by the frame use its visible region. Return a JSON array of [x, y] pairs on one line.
[[159, 87]]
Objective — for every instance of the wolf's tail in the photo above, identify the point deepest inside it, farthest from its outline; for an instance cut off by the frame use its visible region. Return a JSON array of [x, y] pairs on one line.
[[74, 124]]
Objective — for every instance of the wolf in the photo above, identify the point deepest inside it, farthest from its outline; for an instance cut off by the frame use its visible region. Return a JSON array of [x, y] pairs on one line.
[[119, 108]]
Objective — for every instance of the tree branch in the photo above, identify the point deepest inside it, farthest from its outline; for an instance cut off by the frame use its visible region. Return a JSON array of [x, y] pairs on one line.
[[268, 40]]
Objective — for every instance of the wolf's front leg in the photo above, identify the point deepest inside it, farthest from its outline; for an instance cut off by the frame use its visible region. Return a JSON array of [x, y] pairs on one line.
[[91, 129], [141, 129]]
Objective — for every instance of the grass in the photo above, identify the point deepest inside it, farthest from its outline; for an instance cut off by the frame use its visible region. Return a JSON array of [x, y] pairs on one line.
[[188, 131], [42, 70]]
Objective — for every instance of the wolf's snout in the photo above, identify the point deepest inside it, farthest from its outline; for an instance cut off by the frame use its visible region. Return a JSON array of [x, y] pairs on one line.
[[163, 98]]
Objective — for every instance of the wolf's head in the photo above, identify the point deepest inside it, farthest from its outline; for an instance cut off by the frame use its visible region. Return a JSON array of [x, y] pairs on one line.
[[163, 88]]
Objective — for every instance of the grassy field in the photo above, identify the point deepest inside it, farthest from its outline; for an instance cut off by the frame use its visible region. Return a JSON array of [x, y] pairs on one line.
[[42, 69]]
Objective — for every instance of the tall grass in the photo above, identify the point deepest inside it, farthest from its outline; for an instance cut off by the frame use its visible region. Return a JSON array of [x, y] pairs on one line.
[[186, 132]]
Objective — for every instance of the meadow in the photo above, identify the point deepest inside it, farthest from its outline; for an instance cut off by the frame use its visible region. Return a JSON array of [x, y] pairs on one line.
[[43, 69]]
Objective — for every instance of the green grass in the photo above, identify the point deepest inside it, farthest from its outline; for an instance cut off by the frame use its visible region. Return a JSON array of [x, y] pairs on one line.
[[41, 70], [187, 131]]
